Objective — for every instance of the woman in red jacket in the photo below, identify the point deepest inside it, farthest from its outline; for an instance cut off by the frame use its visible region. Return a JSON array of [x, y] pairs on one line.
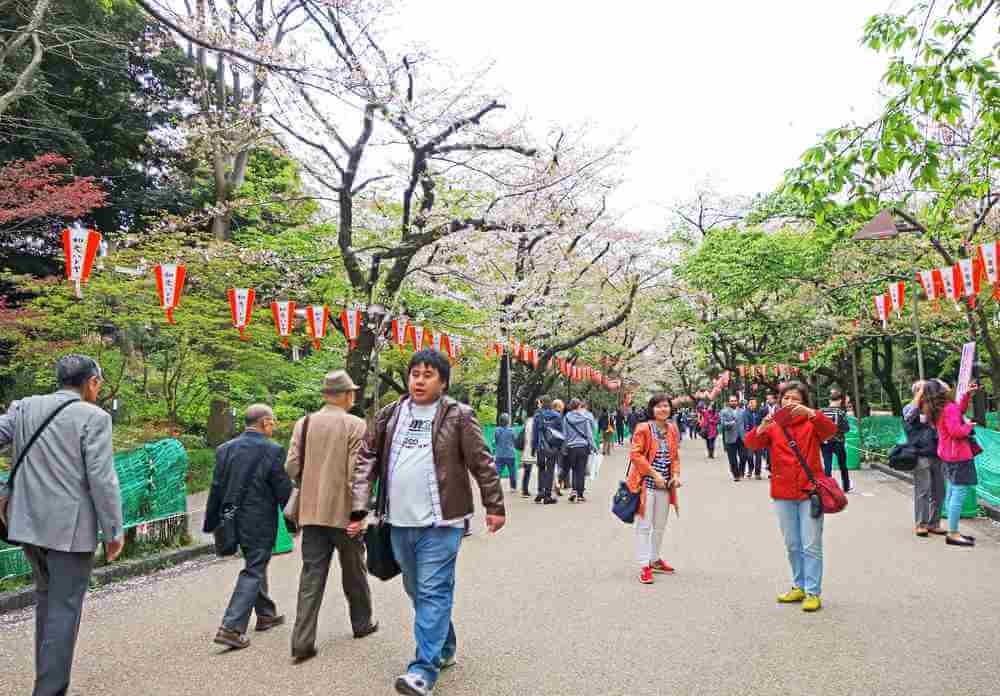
[[790, 488], [654, 474]]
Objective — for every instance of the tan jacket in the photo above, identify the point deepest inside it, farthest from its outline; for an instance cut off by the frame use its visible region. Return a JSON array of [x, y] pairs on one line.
[[332, 445]]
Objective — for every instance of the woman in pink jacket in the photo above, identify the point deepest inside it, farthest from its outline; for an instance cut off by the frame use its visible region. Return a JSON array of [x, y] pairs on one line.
[[954, 449]]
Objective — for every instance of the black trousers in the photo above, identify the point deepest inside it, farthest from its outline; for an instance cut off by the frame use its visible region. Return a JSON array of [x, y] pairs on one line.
[[525, 475], [564, 470], [710, 445], [735, 453], [61, 581], [831, 449], [577, 460], [752, 460], [547, 462], [250, 593], [621, 436]]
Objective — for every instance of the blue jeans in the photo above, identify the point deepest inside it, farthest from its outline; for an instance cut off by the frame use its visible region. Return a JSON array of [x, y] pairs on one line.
[[804, 542], [511, 471], [953, 504], [427, 558]]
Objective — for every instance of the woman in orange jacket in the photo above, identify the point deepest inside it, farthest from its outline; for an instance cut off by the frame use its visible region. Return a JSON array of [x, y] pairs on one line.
[[790, 488], [655, 475]]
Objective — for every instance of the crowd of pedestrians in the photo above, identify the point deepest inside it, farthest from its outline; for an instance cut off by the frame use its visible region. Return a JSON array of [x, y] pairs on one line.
[[414, 468]]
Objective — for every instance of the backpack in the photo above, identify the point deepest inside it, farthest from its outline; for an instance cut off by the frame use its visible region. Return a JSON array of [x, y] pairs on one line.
[[519, 440], [552, 437]]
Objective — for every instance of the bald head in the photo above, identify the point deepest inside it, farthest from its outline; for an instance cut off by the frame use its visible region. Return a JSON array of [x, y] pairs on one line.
[[257, 415]]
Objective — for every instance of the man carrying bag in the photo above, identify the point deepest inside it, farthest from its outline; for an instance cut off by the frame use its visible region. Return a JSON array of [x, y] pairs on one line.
[[61, 493]]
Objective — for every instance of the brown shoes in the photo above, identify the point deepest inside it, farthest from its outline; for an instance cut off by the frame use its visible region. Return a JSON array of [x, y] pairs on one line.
[[266, 622], [299, 658], [231, 639]]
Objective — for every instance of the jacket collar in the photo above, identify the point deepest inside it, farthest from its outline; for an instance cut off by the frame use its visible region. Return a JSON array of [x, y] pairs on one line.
[[254, 434]]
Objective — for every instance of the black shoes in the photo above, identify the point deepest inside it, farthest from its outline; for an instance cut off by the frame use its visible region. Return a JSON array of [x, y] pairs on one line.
[[549, 501], [539, 499], [299, 658], [964, 541], [367, 630]]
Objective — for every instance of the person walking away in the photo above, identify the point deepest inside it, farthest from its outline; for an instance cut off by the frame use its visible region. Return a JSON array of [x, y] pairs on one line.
[[681, 424], [654, 474], [954, 449], [835, 446], [528, 456], [731, 419], [620, 426], [428, 438], [548, 424], [579, 444], [753, 458], [249, 477], [606, 427], [503, 441], [928, 475], [62, 492], [791, 488], [710, 429], [322, 455]]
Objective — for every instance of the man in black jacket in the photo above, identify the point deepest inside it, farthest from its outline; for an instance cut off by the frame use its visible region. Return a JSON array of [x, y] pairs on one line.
[[250, 475], [547, 438]]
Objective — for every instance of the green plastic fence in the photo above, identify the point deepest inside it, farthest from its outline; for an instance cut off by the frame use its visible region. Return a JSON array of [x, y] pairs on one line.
[[153, 481]]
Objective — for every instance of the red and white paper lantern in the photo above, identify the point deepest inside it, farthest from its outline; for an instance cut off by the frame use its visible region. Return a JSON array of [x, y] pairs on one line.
[[897, 296], [350, 320], [988, 260], [968, 279], [931, 282], [169, 283], [283, 313], [399, 329], [952, 290], [241, 306], [417, 336], [882, 303], [318, 320], [80, 246]]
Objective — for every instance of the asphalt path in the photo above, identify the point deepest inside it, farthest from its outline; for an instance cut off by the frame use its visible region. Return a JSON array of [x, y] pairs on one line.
[[552, 605]]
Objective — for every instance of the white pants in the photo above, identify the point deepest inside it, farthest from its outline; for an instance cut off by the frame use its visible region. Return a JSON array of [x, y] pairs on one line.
[[649, 526]]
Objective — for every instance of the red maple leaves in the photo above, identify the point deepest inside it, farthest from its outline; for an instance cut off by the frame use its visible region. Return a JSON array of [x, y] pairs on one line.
[[38, 189]]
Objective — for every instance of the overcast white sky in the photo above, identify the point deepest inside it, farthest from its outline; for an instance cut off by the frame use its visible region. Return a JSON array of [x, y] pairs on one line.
[[730, 90]]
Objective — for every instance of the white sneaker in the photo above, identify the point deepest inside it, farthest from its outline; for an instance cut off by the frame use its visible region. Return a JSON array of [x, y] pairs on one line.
[[413, 684]]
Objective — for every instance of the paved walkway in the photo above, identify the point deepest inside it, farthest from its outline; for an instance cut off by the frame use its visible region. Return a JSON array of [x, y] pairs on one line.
[[551, 606]]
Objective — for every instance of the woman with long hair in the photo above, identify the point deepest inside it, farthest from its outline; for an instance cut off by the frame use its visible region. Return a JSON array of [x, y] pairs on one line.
[[937, 402], [791, 488], [655, 475]]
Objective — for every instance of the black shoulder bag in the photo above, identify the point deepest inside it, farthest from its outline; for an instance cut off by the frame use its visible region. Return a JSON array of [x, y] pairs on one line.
[[20, 458], [227, 537], [381, 561]]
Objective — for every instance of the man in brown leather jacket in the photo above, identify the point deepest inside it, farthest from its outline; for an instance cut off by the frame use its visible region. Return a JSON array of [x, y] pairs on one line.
[[423, 448]]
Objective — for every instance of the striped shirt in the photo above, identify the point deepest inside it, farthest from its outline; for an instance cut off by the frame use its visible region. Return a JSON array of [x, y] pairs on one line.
[[661, 462]]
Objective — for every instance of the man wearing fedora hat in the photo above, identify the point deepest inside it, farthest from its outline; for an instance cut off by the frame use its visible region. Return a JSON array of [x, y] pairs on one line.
[[321, 458]]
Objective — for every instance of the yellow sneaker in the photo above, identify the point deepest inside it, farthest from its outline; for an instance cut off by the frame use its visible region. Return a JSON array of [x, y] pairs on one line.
[[811, 603], [792, 596]]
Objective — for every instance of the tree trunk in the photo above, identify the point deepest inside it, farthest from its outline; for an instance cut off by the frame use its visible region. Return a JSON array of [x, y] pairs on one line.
[[220, 426], [359, 364], [882, 366]]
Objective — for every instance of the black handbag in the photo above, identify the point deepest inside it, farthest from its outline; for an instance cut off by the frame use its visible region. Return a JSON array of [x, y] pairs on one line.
[[227, 536], [380, 559], [4, 532]]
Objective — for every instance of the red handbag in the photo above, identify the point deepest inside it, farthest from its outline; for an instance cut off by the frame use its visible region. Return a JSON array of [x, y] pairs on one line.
[[831, 496]]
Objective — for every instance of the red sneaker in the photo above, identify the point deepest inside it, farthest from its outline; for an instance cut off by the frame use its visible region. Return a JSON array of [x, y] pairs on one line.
[[646, 576], [661, 567]]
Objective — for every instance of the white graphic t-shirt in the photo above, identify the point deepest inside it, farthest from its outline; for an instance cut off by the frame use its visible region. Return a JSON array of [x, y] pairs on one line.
[[412, 481]]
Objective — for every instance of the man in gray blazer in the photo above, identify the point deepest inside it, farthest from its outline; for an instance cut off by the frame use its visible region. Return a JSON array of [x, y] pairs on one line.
[[64, 492]]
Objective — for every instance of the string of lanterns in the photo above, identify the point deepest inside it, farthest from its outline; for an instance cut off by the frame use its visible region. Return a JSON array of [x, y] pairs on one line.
[[81, 248], [572, 370]]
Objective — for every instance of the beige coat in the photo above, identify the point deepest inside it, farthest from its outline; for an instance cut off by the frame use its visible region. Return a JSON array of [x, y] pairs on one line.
[[332, 445]]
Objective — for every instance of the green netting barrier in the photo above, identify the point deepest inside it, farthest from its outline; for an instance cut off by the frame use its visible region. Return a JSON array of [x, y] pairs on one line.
[[988, 465], [153, 481]]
